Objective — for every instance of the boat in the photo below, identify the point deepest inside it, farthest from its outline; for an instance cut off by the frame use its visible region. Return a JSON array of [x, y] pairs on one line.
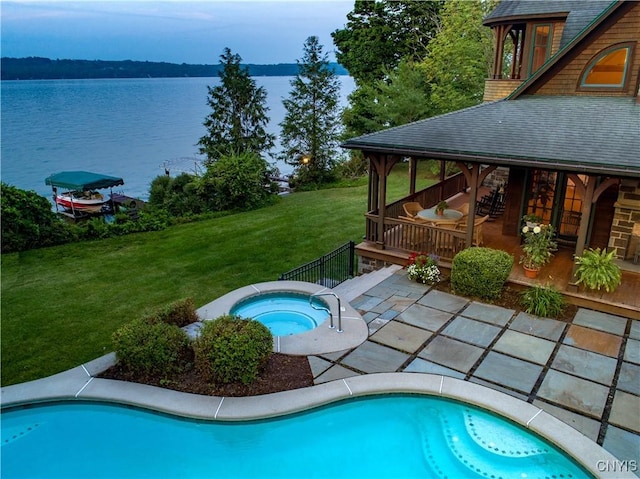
[[79, 193], [87, 201]]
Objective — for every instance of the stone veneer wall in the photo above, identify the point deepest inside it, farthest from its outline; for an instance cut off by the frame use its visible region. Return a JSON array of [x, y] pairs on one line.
[[497, 178], [368, 265], [627, 216]]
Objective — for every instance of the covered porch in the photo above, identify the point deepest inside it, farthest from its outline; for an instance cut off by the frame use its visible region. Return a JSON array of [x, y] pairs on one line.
[[391, 237]]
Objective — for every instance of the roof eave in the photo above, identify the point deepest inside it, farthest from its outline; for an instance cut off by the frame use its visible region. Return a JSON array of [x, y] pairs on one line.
[[525, 162]]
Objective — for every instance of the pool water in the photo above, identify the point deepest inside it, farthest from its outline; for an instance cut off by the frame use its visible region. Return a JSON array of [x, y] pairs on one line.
[[391, 436], [284, 313]]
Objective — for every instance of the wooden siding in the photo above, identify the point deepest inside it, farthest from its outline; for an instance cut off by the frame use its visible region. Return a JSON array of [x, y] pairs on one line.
[[499, 89], [564, 77], [558, 28]]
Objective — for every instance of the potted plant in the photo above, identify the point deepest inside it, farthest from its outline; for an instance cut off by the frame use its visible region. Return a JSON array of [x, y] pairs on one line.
[[423, 268], [531, 220], [537, 248], [440, 207], [597, 269]]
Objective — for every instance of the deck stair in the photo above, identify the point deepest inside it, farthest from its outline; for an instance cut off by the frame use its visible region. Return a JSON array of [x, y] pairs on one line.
[[354, 287]]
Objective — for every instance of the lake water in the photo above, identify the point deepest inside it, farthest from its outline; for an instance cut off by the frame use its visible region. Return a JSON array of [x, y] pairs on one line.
[[130, 128]]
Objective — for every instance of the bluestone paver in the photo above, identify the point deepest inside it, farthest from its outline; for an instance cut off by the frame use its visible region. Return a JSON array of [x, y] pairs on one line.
[[632, 351], [471, 331], [624, 411], [573, 392], [497, 387], [634, 333], [593, 340], [623, 444], [370, 357], [377, 324], [488, 313], [335, 372], [586, 364], [443, 301], [542, 327], [419, 365], [318, 365], [425, 317], [401, 336], [511, 372], [400, 303], [600, 321], [524, 346], [389, 314], [629, 378], [451, 353], [587, 426]]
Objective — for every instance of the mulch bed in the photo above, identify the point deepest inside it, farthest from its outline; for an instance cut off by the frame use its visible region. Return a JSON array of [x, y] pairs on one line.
[[282, 373]]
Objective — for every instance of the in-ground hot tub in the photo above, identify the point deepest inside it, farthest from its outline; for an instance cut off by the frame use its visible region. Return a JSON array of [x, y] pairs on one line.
[[284, 312], [300, 328]]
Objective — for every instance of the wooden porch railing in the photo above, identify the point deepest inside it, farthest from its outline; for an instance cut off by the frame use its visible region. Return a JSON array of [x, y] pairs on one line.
[[408, 236]]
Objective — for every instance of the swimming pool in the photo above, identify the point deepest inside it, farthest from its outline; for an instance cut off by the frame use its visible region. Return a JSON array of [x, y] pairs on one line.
[[391, 436], [284, 313]]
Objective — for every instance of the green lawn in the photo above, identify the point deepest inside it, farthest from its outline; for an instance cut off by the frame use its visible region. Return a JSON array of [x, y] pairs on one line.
[[60, 305]]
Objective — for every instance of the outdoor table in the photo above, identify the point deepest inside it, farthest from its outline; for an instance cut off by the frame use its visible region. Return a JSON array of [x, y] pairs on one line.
[[447, 215]]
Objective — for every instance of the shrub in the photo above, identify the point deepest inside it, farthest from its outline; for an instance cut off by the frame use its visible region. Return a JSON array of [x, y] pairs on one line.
[[179, 313], [596, 270], [237, 181], [543, 301], [28, 221], [145, 348], [231, 349], [480, 272]]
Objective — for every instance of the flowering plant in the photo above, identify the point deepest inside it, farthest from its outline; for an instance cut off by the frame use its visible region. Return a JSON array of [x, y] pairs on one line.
[[538, 247], [423, 268]]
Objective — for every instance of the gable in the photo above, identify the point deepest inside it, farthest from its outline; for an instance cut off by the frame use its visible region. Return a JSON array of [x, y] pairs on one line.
[[564, 74]]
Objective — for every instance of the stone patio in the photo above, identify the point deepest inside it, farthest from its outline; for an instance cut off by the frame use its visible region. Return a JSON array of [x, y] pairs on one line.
[[586, 373]]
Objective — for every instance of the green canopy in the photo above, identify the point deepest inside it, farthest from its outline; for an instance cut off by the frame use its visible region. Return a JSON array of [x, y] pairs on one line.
[[82, 180]]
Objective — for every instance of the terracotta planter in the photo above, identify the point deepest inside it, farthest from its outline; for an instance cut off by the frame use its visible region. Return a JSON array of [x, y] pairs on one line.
[[531, 272]]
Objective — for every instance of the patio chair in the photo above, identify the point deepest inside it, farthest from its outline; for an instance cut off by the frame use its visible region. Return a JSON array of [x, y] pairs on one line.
[[478, 239], [464, 209], [412, 208]]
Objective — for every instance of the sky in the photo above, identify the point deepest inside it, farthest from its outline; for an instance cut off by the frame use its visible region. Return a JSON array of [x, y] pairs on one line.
[[174, 31]]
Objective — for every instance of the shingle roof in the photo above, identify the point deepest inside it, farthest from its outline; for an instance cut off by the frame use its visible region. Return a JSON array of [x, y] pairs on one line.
[[580, 13], [599, 135]]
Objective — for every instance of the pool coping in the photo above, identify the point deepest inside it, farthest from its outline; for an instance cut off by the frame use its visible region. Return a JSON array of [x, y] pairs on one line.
[[80, 384], [320, 340]]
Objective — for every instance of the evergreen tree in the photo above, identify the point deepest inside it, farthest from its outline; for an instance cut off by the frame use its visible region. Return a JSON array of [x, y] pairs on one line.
[[239, 118], [311, 127]]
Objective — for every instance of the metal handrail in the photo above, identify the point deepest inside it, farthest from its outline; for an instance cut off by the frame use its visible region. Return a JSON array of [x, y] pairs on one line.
[[328, 293]]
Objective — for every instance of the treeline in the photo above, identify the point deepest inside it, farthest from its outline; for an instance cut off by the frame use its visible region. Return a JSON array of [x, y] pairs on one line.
[[36, 68]]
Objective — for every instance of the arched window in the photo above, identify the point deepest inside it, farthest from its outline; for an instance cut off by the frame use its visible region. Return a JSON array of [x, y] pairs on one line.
[[608, 69]]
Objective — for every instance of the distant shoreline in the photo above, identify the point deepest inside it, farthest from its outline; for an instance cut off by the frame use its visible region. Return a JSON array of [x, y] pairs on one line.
[[38, 68]]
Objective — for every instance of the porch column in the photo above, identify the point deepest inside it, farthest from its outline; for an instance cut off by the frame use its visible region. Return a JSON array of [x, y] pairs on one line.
[[587, 203], [383, 165], [413, 174], [473, 177]]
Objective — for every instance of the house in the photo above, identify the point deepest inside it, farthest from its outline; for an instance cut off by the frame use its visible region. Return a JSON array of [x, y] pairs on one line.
[[559, 131]]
